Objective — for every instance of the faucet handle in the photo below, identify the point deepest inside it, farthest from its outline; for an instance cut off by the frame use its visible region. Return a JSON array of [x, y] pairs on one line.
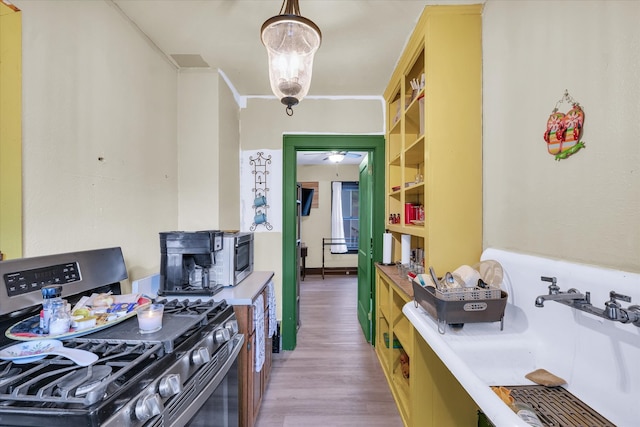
[[553, 288], [613, 295], [613, 309]]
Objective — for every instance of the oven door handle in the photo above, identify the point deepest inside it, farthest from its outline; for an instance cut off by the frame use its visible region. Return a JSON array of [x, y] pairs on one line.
[[239, 341], [222, 372]]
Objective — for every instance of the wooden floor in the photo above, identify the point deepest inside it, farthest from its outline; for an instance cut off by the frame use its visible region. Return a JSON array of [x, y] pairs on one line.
[[333, 377]]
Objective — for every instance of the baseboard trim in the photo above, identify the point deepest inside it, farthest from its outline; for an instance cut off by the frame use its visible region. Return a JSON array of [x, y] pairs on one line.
[[343, 271]]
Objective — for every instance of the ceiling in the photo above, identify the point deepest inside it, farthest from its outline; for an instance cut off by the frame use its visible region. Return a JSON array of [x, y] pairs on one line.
[[322, 158], [361, 39], [361, 42]]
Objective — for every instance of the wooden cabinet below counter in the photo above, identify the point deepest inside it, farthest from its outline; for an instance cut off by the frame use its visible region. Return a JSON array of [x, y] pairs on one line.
[[253, 382]]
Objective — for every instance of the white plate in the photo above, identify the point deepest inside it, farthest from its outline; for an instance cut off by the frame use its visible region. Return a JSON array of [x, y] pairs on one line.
[[29, 351], [32, 351]]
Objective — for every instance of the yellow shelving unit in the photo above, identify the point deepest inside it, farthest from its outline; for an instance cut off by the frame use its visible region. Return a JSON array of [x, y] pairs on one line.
[[431, 396], [393, 326], [433, 159], [434, 137]]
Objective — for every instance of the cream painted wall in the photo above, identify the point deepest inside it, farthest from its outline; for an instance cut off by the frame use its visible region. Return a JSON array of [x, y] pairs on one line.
[[263, 124], [585, 208], [209, 163], [318, 224], [99, 134], [229, 160], [198, 191]]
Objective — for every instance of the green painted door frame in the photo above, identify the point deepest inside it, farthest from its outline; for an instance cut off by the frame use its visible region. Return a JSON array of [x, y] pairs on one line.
[[366, 284], [374, 145]]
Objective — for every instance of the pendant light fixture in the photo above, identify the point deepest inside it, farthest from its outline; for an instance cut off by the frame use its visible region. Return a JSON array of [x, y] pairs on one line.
[[291, 41]]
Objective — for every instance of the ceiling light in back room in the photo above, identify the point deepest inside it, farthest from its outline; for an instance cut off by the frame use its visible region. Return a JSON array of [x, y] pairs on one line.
[[291, 41], [336, 157]]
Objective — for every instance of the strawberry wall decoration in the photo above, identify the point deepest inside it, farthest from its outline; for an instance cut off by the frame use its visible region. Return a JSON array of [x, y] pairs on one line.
[[565, 130]]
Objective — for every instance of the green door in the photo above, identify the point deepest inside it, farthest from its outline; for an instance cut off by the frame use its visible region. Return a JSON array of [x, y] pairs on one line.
[[365, 250]]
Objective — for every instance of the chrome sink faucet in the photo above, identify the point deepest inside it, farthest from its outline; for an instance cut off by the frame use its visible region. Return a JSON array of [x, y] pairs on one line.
[[573, 298]]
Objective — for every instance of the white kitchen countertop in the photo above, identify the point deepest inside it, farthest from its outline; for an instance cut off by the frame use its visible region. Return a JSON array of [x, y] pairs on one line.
[[245, 291], [242, 294]]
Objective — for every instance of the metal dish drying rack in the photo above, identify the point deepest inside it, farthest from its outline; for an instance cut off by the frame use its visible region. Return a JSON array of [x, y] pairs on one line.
[[457, 306]]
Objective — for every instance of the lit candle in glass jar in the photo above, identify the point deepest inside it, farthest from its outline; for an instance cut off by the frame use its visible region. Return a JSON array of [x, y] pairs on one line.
[[150, 318]]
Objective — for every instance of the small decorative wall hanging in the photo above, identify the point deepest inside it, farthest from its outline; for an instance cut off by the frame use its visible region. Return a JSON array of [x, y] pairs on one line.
[[565, 130], [260, 206]]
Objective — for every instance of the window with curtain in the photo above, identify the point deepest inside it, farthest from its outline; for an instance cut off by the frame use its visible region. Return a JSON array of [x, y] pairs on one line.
[[345, 216]]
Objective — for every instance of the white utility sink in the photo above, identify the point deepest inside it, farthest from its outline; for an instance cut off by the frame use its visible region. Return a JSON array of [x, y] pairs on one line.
[[597, 357]]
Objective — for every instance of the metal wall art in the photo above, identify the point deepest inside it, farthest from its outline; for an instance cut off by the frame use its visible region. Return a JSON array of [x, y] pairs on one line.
[[260, 172], [565, 130]]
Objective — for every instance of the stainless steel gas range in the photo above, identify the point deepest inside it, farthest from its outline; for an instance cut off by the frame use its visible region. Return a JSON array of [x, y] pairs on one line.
[[186, 374]]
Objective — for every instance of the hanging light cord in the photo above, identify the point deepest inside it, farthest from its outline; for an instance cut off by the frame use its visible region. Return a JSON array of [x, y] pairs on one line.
[[290, 8]]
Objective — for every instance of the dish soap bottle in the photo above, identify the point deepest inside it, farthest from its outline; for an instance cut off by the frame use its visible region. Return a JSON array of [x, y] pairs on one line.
[[527, 414]]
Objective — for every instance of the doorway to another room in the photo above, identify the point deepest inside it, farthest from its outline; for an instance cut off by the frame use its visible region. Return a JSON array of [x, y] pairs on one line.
[[371, 223]]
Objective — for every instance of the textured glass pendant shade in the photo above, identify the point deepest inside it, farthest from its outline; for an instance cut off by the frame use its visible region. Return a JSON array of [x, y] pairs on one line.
[[291, 41]]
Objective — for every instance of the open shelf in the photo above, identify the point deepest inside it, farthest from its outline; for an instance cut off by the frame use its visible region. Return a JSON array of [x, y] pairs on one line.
[[402, 332], [434, 155], [433, 160], [402, 388]]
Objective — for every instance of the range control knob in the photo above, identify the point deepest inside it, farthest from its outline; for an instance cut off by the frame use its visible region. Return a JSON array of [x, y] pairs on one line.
[[149, 406], [232, 325], [200, 356], [170, 385], [222, 335]]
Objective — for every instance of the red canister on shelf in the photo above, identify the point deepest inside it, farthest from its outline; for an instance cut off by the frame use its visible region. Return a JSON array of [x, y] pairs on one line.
[[408, 213]]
